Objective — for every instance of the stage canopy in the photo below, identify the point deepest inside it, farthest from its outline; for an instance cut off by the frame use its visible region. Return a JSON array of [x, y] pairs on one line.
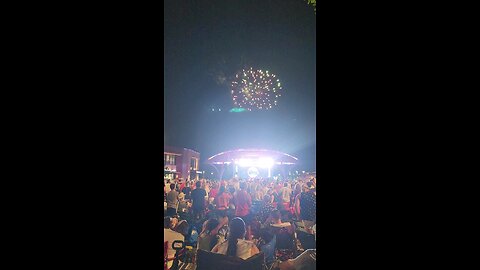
[[244, 156], [253, 159]]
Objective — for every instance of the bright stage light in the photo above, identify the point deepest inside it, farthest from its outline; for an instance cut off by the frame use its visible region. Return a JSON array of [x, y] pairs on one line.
[[262, 162], [266, 162], [243, 162]]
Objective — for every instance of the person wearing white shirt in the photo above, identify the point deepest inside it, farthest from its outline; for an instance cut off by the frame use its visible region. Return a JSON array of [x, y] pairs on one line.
[[236, 245]]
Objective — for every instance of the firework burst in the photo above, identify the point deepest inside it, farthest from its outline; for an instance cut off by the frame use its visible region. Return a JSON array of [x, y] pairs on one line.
[[255, 90]]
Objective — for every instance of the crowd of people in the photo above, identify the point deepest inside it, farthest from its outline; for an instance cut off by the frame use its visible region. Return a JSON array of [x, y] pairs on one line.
[[241, 218]]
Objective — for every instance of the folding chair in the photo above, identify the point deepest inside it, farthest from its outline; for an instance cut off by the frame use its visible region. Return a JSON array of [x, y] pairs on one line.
[[179, 246], [285, 247]]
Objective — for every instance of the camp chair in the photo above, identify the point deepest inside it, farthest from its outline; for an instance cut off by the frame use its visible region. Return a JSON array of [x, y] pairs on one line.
[[285, 243], [179, 246], [214, 261]]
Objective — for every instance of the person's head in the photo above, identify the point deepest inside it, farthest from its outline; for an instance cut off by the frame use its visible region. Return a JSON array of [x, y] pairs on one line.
[[267, 198], [170, 222], [198, 184], [275, 214], [285, 184], [167, 222], [298, 188], [182, 227], [172, 186], [309, 185], [266, 235], [243, 185], [211, 224], [237, 231], [222, 189]]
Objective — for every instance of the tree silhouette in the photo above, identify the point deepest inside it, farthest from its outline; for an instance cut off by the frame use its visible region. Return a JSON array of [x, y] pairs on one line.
[[314, 4]]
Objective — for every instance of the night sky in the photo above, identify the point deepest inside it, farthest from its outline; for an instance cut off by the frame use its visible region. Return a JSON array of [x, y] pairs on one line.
[[207, 42]]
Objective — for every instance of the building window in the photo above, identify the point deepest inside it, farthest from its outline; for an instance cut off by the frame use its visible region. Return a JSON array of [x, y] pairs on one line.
[[169, 159], [194, 164]]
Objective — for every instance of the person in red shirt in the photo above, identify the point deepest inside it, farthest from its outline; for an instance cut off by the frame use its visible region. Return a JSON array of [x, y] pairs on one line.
[[243, 202], [182, 184], [222, 199], [213, 191]]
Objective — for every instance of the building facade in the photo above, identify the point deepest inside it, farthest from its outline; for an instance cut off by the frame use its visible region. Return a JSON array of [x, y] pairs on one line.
[[181, 163]]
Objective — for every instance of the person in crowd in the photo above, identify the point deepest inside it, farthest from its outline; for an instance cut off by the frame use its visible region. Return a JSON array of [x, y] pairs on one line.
[[266, 208], [223, 199], [297, 201], [198, 201], [278, 186], [286, 193], [243, 203], [275, 219], [305, 205], [187, 190], [250, 189], [182, 228], [172, 201], [182, 203], [267, 242], [275, 196], [206, 240], [214, 191], [167, 186], [169, 236], [181, 184], [210, 211], [236, 245], [231, 189], [297, 190], [258, 194], [206, 186]]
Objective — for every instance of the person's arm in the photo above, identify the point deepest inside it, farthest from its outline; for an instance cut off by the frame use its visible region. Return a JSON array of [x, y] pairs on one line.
[[215, 248], [220, 225]]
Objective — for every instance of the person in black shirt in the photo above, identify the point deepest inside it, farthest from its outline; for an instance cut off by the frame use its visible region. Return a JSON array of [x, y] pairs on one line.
[[187, 190], [308, 205], [198, 201]]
